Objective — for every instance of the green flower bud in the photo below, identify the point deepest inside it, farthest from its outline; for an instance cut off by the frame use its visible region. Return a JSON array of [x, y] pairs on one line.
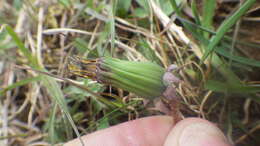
[[142, 78]]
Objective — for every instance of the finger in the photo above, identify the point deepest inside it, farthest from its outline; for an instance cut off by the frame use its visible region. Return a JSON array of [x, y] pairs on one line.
[[195, 132], [150, 131]]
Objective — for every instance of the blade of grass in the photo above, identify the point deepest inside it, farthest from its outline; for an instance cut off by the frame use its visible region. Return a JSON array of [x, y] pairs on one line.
[[195, 12], [50, 125], [220, 50], [215, 61], [225, 26], [104, 35], [81, 46], [20, 83], [208, 14], [240, 59], [26, 52], [226, 87], [66, 122], [255, 45], [54, 90], [112, 114], [175, 7], [50, 84]]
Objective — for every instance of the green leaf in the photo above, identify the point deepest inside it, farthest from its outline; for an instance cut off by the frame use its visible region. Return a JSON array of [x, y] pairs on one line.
[[17, 4], [104, 123], [208, 14], [50, 126], [77, 117], [225, 26], [239, 59], [122, 7], [144, 4], [26, 52], [195, 12], [20, 83], [166, 6], [80, 94], [55, 91], [147, 51], [226, 87], [81, 45], [65, 3], [140, 12]]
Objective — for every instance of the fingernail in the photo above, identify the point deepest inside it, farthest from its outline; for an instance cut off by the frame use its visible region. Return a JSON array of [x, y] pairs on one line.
[[202, 134]]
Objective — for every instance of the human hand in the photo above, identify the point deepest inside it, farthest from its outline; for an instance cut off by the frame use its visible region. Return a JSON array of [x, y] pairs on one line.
[[156, 131]]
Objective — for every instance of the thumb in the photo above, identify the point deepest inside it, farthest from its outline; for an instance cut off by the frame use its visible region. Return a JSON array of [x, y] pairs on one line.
[[195, 132]]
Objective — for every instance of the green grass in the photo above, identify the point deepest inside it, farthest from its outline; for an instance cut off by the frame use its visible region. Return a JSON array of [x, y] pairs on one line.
[[226, 25]]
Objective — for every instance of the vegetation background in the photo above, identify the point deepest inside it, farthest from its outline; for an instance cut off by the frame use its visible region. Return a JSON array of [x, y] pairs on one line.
[[215, 42]]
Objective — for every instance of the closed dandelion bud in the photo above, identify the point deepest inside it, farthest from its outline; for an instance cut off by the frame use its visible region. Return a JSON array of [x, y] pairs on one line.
[[141, 78]]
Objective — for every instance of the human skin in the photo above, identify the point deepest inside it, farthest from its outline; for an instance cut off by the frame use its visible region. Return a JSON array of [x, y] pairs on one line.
[[156, 131]]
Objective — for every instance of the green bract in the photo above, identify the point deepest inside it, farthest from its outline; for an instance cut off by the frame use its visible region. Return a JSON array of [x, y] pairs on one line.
[[141, 78]]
